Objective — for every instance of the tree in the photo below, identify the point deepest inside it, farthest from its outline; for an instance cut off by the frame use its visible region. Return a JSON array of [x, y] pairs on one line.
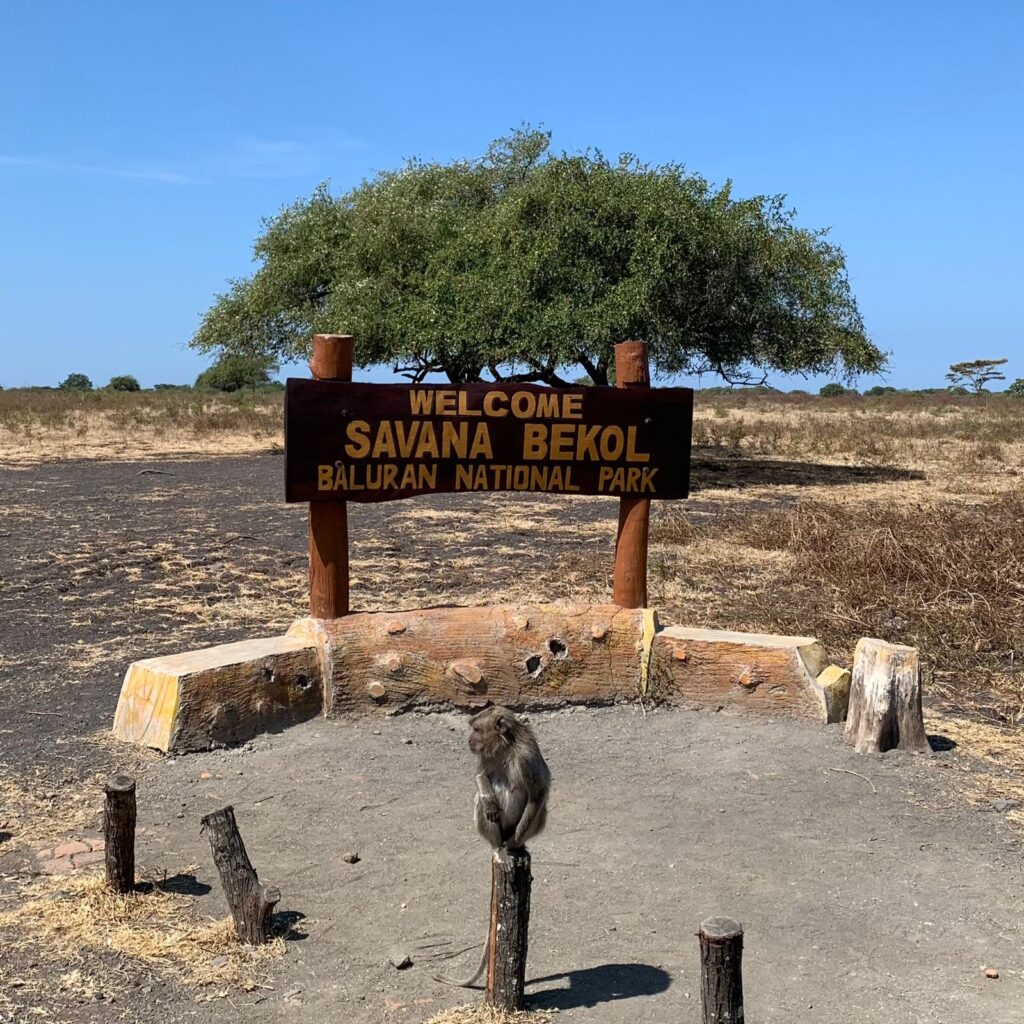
[[879, 390], [1016, 389], [75, 382], [975, 373], [832, 391], [232, 372], [125, 382], [523, 265]]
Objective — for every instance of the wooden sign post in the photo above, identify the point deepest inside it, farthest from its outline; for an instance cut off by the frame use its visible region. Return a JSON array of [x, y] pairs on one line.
[[381, 442], [328, 521]]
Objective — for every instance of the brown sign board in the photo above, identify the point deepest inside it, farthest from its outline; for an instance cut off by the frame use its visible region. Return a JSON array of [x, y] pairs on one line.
[[379, 442]]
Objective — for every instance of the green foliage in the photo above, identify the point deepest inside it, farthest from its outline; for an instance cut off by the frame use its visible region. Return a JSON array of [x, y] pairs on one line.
[[879, 390], [76, 382], [1016, 389], [523, 263], [975, 373], [172, 387], [124, 382], [832, 390], [232, 372]]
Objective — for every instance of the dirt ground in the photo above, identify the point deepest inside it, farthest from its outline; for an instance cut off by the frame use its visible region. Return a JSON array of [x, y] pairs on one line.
[[879, 898]]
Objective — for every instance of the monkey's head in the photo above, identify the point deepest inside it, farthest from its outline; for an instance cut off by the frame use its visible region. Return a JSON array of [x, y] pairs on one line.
[[493, 731]]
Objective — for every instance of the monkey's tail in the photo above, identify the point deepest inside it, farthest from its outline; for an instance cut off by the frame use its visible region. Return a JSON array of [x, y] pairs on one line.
[[470, 981]]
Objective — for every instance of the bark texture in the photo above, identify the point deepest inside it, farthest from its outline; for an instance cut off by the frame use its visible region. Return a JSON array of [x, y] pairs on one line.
[[251, 904], [508, 936], [721, 977], [119, 815], [885, 699]]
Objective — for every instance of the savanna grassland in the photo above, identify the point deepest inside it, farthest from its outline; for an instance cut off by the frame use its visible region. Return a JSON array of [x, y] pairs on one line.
[[133, 525]]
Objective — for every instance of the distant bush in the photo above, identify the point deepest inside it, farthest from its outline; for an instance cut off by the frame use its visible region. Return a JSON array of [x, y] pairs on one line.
[[1016, 389], [234, 372], [172, 387], [832, 391], [76, 382], [879, 390], [124, 382]]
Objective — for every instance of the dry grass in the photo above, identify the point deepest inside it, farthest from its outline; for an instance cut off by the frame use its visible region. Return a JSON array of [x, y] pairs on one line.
[[62, 919], [489, 1015], [46, 426]]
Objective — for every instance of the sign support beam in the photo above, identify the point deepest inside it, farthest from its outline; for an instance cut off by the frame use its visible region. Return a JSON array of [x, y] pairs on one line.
[[328, 521], [630, 586]]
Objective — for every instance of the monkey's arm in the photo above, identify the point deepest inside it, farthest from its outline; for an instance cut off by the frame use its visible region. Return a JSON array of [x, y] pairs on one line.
[[529, 825], [487, 811]]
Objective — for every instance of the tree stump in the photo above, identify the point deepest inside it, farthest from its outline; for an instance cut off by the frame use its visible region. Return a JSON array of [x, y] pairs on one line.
[[119, 814], [251, 904], [509, 929], [721, 976], [885, 699]]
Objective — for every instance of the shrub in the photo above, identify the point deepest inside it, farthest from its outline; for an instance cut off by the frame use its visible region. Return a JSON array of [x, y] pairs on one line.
[[1016, 389], [234, 372], [124, 382], [76, 382], [832, 391], [879, 390]]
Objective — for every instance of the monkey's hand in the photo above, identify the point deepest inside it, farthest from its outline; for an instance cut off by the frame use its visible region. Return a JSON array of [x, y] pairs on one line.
[[491, 809]]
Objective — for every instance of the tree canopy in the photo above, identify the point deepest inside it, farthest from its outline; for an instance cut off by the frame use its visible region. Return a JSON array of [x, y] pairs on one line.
[[75, 382], [124, 382], [235, 371], [975, 373], [526, 265]]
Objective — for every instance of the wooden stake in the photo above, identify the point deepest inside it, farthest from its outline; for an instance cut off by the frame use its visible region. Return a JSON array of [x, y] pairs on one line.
[[251, 904], [119, 832], [630, 587], [885, 699], [328, 521], [721, 977], [509, 931]]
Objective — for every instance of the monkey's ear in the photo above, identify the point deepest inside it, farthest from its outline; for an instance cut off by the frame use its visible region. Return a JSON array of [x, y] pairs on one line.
[[504, 726]]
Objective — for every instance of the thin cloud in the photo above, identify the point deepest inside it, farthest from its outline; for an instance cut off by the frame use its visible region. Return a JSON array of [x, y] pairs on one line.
[[245, 158]]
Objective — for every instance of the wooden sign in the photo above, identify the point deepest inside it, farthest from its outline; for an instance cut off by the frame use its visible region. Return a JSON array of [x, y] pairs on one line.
[[379, 442]]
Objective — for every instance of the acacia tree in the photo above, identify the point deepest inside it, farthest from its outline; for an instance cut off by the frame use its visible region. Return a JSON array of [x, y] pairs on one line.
[[528, 266], [976, 373]]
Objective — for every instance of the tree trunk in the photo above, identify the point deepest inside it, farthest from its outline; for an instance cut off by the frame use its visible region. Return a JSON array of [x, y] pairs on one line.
[[508, 936], [721, 978], [119, 832], [251, 904], [885, 699]]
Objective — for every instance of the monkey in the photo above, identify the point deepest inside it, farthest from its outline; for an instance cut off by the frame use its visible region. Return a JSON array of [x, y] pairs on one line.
[[513, 782]]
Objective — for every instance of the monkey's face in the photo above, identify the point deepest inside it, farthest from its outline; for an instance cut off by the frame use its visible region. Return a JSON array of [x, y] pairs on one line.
[[490, 731]]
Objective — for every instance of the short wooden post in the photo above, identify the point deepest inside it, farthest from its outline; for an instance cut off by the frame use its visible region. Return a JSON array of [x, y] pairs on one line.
[[630, 586], [508, 936], [251, 904], [721, 975], [119, 814], [885, 699], [328, 520]]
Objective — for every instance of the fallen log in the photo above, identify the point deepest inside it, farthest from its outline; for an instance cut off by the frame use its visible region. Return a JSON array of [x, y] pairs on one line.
[[769, 675], [522, 656], [885, 699]]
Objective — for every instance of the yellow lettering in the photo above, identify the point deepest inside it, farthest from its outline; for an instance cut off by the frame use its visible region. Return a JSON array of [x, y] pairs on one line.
[[405, 444], [421, 402], [604, 474], [428, 478], [535, 441], [569, 485], [610, 452], [618, 480], [523, 404], [325, 478], [633, 480], [358, 432], [572, 407], [463, 478], [561, 441], [390, 476], [632, 455], [341, 480], [586, 443], [481, 442], [547, 405], [493, 402], [455, 437], [385, 443], [480, 479], [521, 478], [647, 483], [464, 409], [408, 477], [445, 403], [538, 478], [428, 442]]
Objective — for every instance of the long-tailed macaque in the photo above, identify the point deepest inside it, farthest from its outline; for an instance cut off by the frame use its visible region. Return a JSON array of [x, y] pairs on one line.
[[513, 782]]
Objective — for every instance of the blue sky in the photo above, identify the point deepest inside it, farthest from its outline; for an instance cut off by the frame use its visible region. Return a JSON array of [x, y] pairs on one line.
[[141, 144]]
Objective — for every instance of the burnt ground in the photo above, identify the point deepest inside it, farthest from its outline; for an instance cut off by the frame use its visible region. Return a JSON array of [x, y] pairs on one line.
[[859, 904]]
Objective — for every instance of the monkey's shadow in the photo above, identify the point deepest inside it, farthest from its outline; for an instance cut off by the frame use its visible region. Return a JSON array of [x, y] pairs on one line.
[[605, 984]]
